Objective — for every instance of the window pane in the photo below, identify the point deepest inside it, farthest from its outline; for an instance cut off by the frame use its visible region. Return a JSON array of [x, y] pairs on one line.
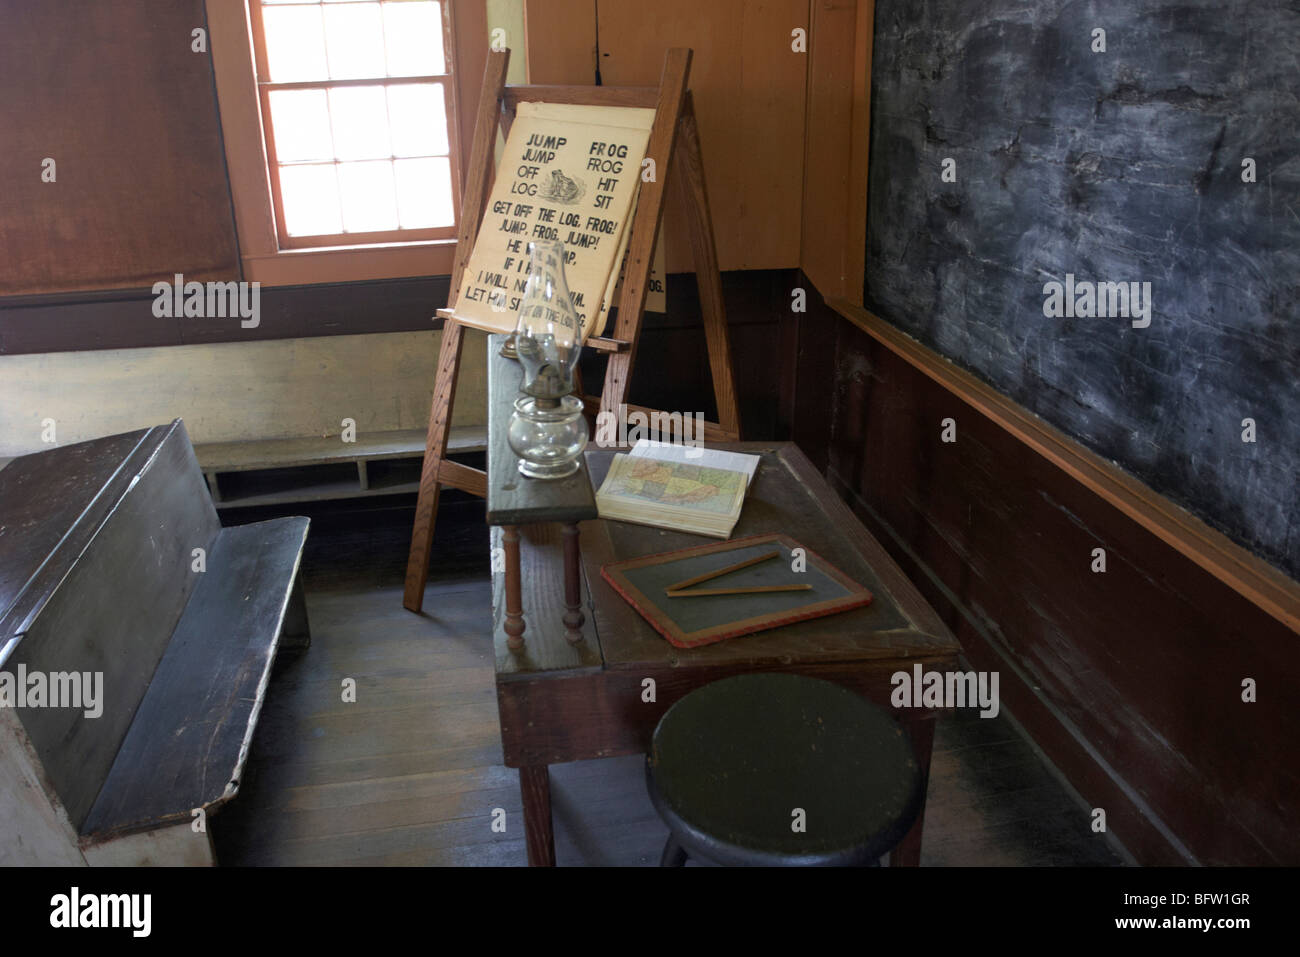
[[295, 43], [311, 200], [354, 38], [360, 122], [301, 119], [369, 200], [413, 34], [418, 118], [424, 193]]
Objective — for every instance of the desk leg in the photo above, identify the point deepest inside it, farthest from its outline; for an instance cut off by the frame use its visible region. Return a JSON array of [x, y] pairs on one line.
[[535, 786], [908, 851], [573, 616], [514, 603]]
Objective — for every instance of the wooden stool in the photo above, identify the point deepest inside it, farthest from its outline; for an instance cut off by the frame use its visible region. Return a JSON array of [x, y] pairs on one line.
[[773, 769]]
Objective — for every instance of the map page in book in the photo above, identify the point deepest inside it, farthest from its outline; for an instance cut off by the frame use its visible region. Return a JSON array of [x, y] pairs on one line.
[[677, 495], [697, 455]]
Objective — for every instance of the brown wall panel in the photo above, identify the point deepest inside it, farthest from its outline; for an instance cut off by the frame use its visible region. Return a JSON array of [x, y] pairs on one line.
[[672, 361], [748, 87], [113, 93], [834, 187]]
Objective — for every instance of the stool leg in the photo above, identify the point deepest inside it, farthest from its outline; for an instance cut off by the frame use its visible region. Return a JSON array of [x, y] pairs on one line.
[[674, 855], [908, 851]]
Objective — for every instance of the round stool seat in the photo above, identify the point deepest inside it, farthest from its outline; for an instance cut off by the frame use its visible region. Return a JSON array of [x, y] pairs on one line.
[[733, 763]]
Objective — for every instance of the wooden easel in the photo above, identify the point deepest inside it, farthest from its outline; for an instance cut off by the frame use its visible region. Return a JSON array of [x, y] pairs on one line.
[[674, 144]]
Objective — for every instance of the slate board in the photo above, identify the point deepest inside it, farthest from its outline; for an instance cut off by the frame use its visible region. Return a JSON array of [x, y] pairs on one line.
[[690, 622]]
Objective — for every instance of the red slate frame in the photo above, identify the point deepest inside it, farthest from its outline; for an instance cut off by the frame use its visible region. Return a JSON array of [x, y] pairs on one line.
[[858, 595]]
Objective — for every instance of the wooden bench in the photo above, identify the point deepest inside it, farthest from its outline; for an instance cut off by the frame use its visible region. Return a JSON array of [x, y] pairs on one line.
[[113, 562]]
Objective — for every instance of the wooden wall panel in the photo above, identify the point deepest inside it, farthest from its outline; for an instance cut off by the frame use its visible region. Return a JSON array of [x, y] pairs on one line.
[[112, 92], [1130, 680], [749, 88], [559, 44], [833, 240], [123, 320]]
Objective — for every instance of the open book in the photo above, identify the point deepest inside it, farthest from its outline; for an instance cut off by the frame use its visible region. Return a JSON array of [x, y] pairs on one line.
[[689, 490]]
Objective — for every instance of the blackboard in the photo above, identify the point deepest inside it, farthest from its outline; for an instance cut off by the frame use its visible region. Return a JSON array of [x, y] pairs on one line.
[[1122, 164]]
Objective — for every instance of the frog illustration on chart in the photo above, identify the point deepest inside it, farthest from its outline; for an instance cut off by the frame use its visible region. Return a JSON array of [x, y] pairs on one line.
[[562, 189]]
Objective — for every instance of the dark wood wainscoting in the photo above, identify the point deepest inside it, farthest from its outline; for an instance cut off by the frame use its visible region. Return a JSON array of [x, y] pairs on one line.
[[1130, 680]]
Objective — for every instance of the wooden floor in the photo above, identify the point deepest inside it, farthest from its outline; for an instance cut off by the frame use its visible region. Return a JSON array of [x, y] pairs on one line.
[[411, 773]]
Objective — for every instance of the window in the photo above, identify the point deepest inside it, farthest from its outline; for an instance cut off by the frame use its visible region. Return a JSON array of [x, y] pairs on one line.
[[356, 106], [346, 124]]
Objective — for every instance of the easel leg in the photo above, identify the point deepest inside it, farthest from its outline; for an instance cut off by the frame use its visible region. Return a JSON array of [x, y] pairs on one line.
[[645, 226], [573, 616], [908, 851], [539, 837], [690, 165], [617, 371], [688, 177], [514, 601], [435, 449]]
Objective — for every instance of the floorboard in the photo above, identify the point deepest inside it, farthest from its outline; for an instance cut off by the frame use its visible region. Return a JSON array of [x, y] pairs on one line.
[[410, 772]]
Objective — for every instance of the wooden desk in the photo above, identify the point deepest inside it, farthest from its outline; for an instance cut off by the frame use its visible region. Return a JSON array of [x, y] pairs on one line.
[[569, 701]]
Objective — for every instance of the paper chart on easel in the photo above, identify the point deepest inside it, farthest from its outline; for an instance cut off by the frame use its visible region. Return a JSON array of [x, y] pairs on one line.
[[570, 173]]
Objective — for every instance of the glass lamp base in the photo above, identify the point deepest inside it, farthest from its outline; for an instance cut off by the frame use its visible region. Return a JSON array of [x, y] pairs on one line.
[[548, 441], [555, 471]]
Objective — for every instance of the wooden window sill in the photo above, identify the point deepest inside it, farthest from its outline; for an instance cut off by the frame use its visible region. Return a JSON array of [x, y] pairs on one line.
[[298, 267]]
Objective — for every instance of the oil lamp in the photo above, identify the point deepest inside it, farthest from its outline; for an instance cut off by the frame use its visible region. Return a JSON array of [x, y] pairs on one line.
[[547, 429]]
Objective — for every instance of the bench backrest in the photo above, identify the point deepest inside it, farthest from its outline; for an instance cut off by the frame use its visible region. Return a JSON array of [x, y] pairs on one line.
[[107, 596]]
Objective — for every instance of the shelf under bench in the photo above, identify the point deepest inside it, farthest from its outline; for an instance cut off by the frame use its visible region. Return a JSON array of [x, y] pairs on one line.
[[276, 471]]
